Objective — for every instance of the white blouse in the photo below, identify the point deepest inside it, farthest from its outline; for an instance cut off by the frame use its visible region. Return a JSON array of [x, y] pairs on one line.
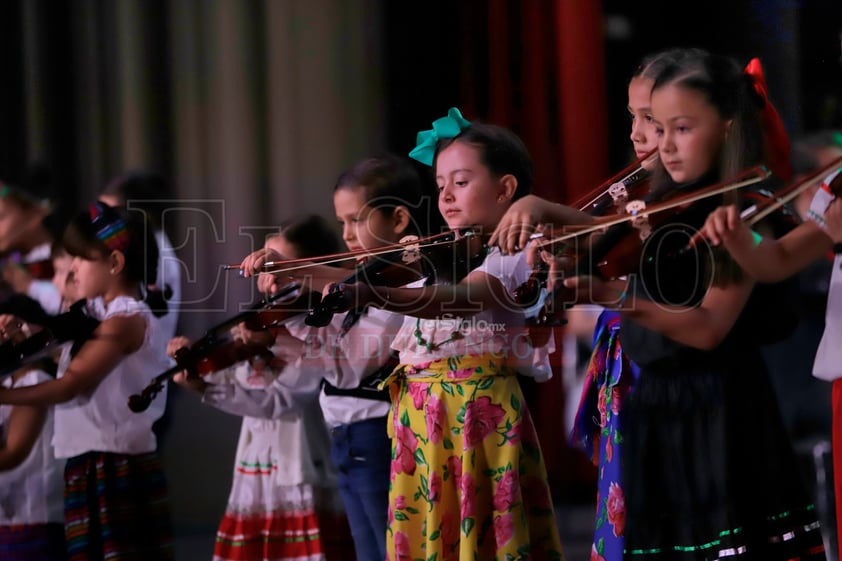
[[101, 419], [497, 329], [33, 492]]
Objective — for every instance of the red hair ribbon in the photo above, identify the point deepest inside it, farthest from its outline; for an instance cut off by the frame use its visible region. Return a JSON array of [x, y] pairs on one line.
[[777, 141]]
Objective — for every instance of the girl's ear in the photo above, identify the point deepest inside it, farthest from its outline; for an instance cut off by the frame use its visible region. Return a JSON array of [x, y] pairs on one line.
[[507, 188], [117, 261], [400, 219]]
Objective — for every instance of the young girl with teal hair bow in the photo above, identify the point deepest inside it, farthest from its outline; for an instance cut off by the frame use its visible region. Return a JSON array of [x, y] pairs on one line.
[[468, 479]]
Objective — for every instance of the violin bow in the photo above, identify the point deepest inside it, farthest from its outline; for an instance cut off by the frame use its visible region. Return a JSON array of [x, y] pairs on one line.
[[410, 245], [756, 213], [717, 189]]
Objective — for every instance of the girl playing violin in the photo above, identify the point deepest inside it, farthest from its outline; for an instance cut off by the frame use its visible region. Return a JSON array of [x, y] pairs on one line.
[[467, 474], [378, 201], [771, 260], [701, 481], [31, 477], [282, 503], [115, 495], [143, 191]]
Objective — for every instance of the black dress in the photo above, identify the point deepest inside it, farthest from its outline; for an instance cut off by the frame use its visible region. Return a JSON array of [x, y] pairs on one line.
[[709, 470]]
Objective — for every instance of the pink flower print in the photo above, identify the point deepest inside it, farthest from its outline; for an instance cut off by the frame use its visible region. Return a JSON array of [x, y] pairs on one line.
[[454, 468], [616, 506], [400, 502], [602, 407], [460, 374], [469, 496], [609, 450], [418, 391], [595, 556], [504, 529], [481, 419], [436, 417], [434, 488], [449, 532], [402, 552], [508, 492], [513, 434], [405, 444], [616, 399], [416, 368]]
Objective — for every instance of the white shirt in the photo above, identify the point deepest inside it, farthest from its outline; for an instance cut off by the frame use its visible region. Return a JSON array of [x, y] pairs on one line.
[[33, 492], [101, 420], [497, 329], [828, 361]]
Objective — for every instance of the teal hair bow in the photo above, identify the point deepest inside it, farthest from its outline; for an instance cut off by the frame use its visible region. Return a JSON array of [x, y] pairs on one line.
[[446, 127]]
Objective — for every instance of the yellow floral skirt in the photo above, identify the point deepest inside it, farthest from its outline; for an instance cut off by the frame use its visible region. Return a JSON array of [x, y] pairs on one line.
[[468, 479]]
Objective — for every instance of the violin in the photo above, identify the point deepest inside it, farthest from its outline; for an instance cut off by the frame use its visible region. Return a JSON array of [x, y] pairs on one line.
[[206, 356], [215, 350], [449, 257], [629, 183], [636, 244], [73, 325]]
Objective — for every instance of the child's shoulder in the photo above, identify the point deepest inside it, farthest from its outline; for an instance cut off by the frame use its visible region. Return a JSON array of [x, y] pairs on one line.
[[119, 306]]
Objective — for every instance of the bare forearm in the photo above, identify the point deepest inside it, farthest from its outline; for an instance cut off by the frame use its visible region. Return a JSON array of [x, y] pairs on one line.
[[702, 327], [775, 260], [563, 215], [47, 393]]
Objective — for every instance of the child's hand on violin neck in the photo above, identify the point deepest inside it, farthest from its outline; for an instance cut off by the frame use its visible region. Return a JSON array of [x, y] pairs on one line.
[[175, 344], [255, 336], [194, 383]]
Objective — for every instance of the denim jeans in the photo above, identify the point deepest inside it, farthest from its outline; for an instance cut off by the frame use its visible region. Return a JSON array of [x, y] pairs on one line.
[[362, 453]]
